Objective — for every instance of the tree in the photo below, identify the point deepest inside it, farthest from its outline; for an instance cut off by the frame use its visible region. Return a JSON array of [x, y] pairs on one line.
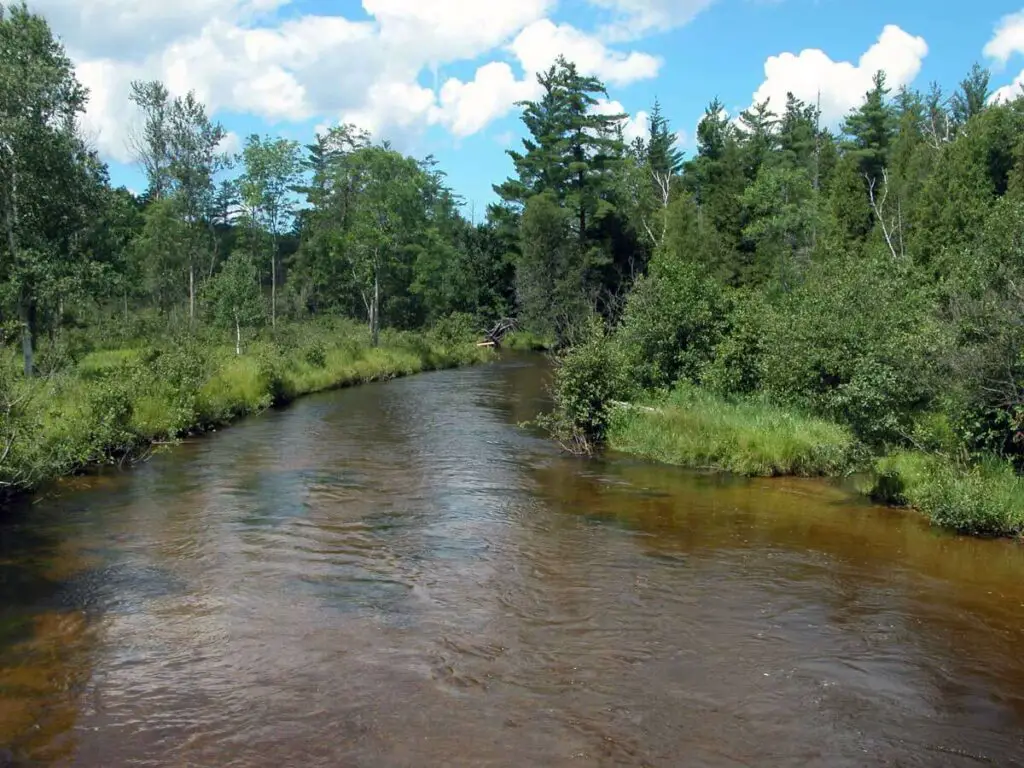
[[194, 160], [234, 296], [573, 155], [46, 173], [972, 96], [549, 279], [272, 172], [871, 129], [179, 149], [387, 191], [759, 126], [663, 156], [151, 144]]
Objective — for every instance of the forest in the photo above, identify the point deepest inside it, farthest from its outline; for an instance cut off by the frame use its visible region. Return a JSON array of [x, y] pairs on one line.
[[793, 298]]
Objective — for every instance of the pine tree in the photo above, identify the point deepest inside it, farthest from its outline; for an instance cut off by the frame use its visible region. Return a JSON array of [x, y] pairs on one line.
[[871, 129], [663, 156], [972, 97]]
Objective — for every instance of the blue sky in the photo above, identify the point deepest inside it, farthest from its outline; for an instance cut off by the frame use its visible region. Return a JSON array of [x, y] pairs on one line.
[[439, 76]]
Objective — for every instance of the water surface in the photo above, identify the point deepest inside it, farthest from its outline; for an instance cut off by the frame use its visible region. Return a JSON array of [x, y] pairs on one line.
[[397, 575]]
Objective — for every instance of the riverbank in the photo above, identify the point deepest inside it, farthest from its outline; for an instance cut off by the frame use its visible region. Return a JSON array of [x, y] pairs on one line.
[[695, 429], [115, 405]]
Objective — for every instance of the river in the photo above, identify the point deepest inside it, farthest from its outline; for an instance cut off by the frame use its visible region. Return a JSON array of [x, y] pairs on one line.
[[398, 575]]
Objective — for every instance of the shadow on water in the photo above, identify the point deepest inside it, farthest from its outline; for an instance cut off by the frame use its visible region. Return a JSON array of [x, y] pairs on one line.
[[398, 575]]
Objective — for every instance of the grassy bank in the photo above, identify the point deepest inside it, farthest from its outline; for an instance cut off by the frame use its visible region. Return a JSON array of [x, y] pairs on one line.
[[985, 499], [113, 405], [693, 428]]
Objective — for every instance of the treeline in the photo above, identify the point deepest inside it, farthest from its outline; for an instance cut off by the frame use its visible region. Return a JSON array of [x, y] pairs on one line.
[[872, 276], [345, 226]]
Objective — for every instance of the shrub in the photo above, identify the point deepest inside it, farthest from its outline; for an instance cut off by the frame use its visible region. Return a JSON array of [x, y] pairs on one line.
[[673, 321], [739, 356], [316, 354], [588, 378], [455, 328], [857, 346]]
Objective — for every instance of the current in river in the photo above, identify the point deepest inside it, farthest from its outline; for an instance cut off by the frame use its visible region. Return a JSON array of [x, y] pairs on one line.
[[400, 575]]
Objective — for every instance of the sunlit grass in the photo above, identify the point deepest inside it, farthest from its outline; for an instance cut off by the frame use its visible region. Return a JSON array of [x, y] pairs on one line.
[[984, 499], [693, 428], [115, 403]]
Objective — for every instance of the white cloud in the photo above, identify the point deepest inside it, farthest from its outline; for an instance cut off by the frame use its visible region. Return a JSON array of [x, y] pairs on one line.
[[540, 44], [1008, 38], [231, 144], [841, 84], [133, 28], [467, 107], [633, 126], [449, 30], [635, 18], [240, 56]]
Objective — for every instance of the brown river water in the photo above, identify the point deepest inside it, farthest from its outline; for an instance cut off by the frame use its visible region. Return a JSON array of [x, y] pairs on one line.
[[398, 575]]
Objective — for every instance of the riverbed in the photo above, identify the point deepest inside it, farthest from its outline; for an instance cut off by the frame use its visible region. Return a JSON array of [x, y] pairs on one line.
[[400, 575]]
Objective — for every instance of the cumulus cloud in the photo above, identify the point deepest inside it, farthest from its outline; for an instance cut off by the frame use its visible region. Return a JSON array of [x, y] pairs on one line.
[[539, 45], [467, 107], [1007, 41], [841, 84], [1008, 38], [134, 28], [632, 19], [634, 127], [244, 56]]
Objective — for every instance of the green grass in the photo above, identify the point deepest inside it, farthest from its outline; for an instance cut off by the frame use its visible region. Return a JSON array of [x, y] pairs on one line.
[[694, 428], [114, 404], [986, 499]]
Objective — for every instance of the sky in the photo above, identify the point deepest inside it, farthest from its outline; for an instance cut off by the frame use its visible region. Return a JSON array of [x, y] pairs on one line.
[[442, 77]]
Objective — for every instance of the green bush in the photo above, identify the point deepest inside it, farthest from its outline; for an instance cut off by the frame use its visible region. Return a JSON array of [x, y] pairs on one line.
[[453, 329], [739, 356], [316, 354], [857, 346], [588, 379], [673, 321]]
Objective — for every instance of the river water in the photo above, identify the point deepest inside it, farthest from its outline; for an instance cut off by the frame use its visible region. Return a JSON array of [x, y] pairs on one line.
[[398, 575]]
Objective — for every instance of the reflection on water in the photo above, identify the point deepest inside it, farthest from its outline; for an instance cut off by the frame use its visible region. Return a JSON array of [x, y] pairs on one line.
[[396, 575]]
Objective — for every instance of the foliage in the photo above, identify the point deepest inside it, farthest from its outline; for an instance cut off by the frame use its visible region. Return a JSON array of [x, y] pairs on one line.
[[116, 403], [983, 499], [587, 381], [673, 321]]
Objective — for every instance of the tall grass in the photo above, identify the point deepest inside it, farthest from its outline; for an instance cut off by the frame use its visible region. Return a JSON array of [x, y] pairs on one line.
[[986, 499], [693, 428], [114, 404]]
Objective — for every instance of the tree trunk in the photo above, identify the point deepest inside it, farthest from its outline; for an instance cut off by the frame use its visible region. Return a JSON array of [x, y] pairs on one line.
[[191, 293], [126, 307], [375, 311], [238, 337], [27, 313], [273, 287]]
